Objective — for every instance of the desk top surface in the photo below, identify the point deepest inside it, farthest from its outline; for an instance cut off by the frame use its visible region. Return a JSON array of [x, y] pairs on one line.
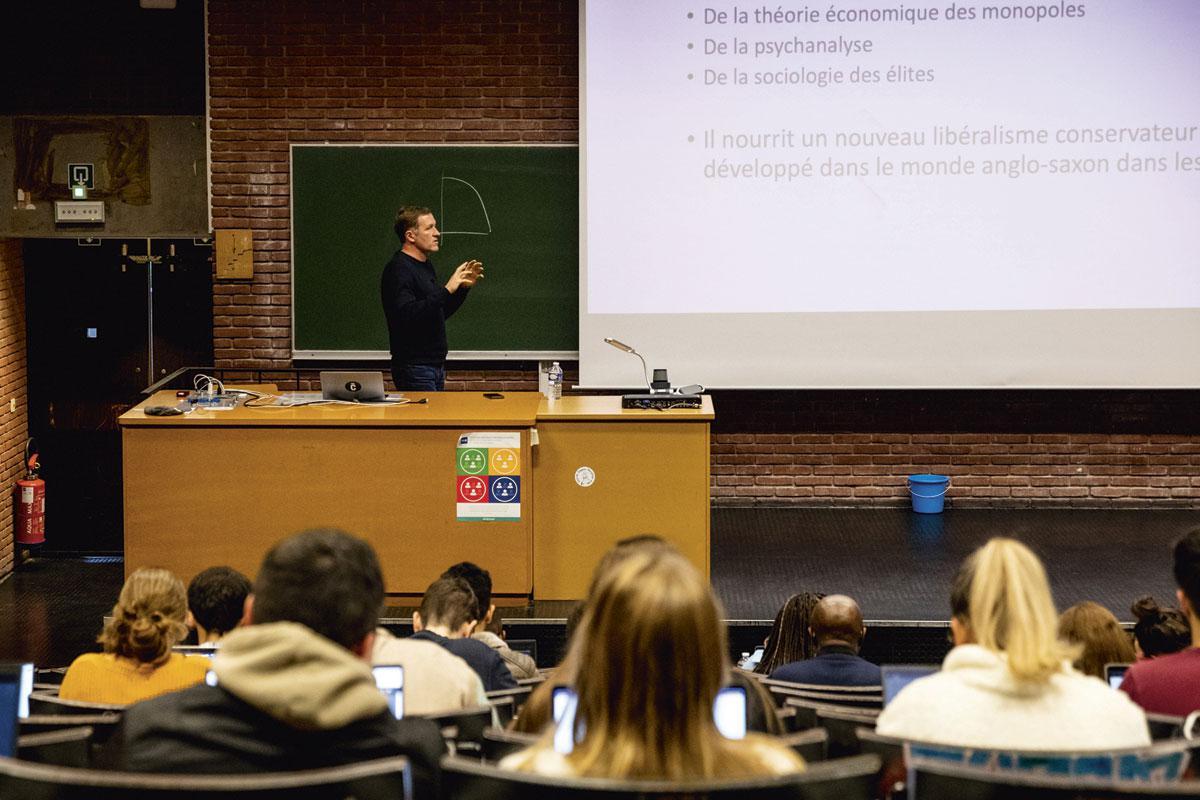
[[428, 409]]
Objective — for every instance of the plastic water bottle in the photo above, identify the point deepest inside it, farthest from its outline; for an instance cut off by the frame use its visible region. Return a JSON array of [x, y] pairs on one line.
[[555, 376]]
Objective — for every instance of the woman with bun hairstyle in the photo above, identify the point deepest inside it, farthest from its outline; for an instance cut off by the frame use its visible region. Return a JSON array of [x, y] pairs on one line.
[[1008, 683], [137, 662], [1158, 631], [651, 654]]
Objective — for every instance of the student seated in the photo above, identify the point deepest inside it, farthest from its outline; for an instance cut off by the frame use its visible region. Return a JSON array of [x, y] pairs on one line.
[[1158, 631], [294, 687], [1170, 684], [790, 639], [1094, 628], [650, 655], [1008, 683], [216, 601], [435, 680], [837, 628], [137, 662], [487, 627], [446, 618]]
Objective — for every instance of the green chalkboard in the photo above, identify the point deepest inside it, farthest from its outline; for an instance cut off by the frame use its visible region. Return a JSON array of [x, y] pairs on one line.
[[516, 209]]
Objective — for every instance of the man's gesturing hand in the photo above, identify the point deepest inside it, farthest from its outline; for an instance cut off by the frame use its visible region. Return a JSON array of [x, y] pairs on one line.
[[467, 274]]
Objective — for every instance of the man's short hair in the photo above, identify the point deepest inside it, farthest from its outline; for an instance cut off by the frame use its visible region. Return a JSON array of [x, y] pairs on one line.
[[407, 216], [480, 581], [1187, 567], [325, 579], [449, 602], [217, 597]]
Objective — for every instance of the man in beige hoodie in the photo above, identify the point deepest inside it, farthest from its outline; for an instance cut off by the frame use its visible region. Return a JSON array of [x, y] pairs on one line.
[[294, 688]]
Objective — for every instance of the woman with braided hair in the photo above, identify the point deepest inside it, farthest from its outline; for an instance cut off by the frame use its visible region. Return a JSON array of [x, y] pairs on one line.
[[137, 662]]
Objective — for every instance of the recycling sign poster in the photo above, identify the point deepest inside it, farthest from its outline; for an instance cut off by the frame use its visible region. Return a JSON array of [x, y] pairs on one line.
[[488, 476]]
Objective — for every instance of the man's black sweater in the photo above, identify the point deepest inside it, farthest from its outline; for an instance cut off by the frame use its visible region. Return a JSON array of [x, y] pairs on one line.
[[416, 306]]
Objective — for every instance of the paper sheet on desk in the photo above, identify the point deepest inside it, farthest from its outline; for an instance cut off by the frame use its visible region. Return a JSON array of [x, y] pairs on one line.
[[488, 476]]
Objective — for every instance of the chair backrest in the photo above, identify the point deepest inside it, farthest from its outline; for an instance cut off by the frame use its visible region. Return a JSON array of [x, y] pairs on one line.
[[499, 743], [464, 727], [384, 778], [1158, 763], [812, 745], [65, 747], [102, 725], [848, 779], [936, 781], [48, 703], [893, 774], [842, 725], [868, 697], [1164, 726], [519, 695], [503, 711]]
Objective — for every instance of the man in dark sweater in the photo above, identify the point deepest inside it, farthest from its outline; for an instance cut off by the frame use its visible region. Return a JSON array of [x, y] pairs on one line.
[[417, 305], [1171, 684], [446, 616], [837, 627]]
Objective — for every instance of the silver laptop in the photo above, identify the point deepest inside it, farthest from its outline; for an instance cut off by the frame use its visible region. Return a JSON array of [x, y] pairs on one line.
[[358, 387]]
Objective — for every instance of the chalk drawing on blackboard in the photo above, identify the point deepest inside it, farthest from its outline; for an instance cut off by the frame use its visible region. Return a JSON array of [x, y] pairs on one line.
[[463, 206]]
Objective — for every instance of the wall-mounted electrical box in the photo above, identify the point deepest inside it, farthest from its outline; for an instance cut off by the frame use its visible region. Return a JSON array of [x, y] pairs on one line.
[[78, 211]]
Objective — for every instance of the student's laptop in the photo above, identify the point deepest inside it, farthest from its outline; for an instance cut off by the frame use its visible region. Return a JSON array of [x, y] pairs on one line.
[[1114, 674], [16, 684], [897, 677], [357, 387], [526, 646]]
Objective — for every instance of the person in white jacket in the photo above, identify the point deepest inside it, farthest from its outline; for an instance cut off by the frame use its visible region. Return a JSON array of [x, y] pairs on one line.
[[1008, 683]]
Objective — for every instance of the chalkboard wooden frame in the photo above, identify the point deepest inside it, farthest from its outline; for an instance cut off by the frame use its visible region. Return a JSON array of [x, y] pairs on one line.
[[343, 198]]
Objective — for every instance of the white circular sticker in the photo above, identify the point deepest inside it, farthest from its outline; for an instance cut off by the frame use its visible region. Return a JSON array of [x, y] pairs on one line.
[[585, 476]]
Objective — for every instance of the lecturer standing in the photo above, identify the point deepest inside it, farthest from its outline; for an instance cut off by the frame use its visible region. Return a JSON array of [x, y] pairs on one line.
[[417, 305]]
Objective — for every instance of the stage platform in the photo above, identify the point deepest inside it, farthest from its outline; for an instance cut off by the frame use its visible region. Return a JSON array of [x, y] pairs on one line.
[[897, 564]]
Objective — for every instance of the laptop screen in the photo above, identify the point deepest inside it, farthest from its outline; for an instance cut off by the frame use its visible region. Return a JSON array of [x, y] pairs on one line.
[[896, 678], [16, 680]]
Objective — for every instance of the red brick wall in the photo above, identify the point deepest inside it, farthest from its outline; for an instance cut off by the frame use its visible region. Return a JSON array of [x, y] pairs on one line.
[[507, 71], [315, 71], [984, 469], [14, 428]]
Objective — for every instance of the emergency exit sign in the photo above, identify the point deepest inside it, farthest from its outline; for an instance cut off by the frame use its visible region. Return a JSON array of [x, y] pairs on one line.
[[81, 175]]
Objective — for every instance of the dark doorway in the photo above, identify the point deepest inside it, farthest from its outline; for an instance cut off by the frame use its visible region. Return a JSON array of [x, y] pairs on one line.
[[105, 320]]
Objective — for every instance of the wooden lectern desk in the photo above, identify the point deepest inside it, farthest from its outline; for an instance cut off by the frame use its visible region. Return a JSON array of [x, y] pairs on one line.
[[221, 487]]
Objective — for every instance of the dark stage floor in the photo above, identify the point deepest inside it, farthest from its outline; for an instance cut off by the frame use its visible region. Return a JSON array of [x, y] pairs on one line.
[[897, 564]]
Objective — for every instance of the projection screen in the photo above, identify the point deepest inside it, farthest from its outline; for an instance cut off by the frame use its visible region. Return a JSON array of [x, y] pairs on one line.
[[879, 194]]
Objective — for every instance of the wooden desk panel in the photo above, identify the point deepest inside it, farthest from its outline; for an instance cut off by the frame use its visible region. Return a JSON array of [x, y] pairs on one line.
[[200, 493], [651, 476]]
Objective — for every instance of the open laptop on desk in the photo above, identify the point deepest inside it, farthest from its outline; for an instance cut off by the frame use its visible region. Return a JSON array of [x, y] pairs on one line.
[[354, 387]]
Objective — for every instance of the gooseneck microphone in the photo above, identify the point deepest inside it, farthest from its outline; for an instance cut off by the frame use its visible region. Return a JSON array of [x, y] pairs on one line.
[[627, 349]]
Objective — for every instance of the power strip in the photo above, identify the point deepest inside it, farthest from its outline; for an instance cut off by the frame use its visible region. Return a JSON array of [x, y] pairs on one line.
[[660, 401]]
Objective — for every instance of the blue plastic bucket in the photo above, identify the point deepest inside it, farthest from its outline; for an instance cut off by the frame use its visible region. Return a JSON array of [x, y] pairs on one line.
[[928, 492]]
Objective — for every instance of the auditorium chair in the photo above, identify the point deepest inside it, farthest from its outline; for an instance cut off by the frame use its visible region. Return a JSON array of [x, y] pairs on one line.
[[893, 774], [47, 703], [942, 781], [65, 747], [1164, 726], [810, 745], [846, 779], [102, 725], [508, 702], [382, 779], [464, 727], [869, 697], [499, 743], [843, 725]]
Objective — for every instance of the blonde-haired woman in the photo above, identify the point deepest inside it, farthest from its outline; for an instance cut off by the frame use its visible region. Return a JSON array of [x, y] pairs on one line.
[[137, 662], [1008, 683], [651, 652]]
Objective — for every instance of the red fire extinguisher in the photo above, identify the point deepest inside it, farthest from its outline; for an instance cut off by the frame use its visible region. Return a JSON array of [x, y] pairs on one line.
[[31, 501]]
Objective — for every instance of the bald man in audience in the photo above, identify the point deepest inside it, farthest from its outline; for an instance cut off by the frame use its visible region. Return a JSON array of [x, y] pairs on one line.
[[837, 627]]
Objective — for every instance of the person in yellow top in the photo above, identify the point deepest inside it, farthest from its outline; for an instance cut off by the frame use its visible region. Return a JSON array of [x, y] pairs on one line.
[[137, 662]]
